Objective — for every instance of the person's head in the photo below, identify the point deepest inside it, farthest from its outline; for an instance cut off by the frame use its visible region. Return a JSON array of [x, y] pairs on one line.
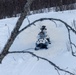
[[43, 27]]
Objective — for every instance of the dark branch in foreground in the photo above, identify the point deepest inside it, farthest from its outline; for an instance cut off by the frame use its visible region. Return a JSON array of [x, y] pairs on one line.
[[51, 19], [38, 57], [73, 53], [15, 31]]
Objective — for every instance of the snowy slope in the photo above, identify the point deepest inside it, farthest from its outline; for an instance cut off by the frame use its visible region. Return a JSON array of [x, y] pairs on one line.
[[25, 64]]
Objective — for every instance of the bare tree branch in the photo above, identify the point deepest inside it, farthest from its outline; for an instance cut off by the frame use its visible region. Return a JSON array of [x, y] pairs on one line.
[[28, 20], [54, 22], [15, 31], [73, 53], [41, 19], [38, 57], [57, 71]]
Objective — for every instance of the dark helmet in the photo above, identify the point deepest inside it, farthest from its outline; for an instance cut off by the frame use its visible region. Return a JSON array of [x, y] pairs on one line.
[[43, 27]]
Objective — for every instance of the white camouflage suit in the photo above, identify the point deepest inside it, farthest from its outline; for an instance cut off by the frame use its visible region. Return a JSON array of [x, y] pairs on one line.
[[43, 35]]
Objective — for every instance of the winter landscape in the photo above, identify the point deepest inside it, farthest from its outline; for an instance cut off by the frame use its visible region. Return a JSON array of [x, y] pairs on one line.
[[58, 52]]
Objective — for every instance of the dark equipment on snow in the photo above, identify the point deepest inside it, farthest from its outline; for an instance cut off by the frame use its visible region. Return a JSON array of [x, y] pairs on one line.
[[41, 44]]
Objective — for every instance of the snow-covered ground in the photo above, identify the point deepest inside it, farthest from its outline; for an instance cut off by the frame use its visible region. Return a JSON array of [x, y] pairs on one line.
[[26, 64]]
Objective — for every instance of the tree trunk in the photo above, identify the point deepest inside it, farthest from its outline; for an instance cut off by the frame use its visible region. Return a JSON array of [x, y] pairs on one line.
[[15, 30]]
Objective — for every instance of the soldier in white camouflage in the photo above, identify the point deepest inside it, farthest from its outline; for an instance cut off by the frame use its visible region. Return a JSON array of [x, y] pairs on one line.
[[43, 34]]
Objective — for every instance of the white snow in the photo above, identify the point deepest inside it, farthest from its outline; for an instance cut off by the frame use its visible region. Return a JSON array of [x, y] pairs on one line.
[[26, 64]]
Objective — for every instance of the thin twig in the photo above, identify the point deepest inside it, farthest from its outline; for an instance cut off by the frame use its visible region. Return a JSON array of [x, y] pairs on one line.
[[57, 71], [71, 43]]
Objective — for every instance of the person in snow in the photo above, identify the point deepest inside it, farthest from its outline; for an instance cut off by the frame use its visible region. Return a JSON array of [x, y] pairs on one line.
[[43, 34], [43, 39]]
